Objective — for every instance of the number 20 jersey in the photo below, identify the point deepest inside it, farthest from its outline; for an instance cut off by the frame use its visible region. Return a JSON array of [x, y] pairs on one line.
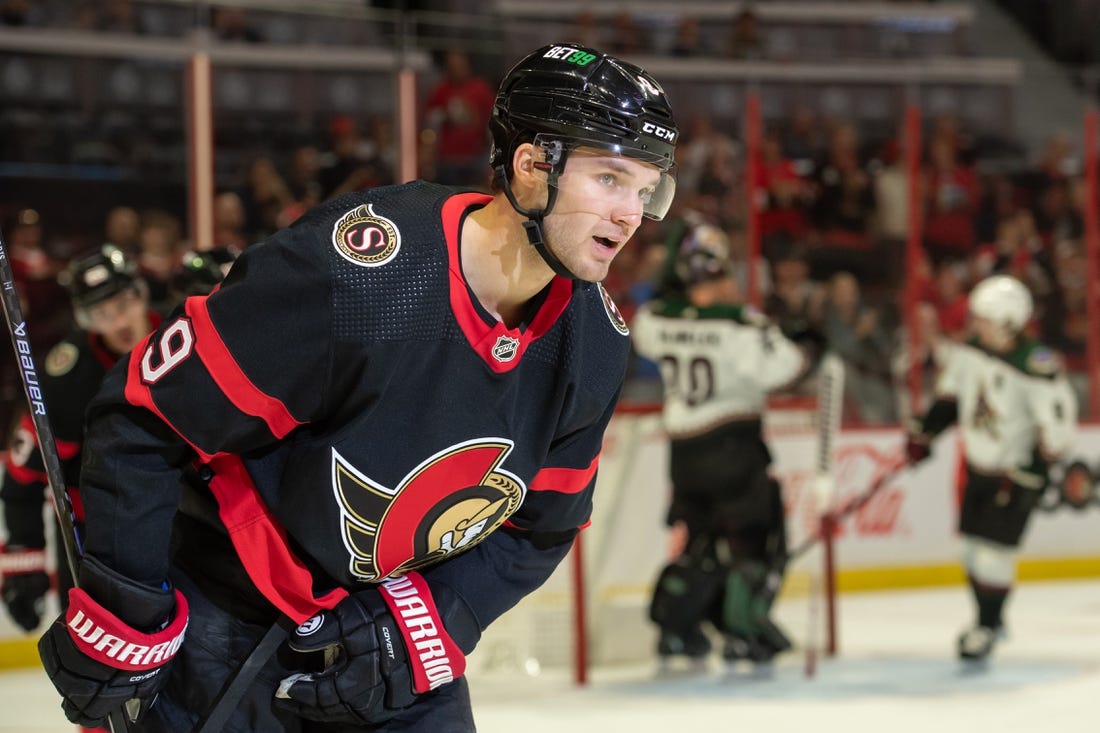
[[346, 387], [717, 363]]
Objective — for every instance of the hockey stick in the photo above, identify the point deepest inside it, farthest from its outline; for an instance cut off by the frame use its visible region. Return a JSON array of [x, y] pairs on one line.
[[226, 701], [830, 404], [47, 446], [852, 506]]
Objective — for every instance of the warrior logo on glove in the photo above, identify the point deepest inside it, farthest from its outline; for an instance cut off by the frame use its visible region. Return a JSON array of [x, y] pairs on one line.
[[448, 503]]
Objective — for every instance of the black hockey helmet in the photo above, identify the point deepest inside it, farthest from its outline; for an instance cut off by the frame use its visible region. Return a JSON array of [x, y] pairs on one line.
[[564, 96], [578, 94], [200, 272], [99, 276]]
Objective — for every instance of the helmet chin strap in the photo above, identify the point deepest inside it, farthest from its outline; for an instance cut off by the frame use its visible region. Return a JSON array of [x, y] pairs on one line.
[[533, 225]]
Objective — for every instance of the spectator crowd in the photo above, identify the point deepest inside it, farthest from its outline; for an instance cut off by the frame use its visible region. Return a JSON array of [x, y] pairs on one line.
[[832, 202]]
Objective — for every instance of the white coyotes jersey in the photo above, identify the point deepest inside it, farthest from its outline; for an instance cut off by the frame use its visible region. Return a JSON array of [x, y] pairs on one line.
[[717, 363], [1009, 404]]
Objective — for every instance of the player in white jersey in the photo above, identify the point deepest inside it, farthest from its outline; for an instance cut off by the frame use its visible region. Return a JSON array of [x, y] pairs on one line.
[[1016, 413], [718, 361]]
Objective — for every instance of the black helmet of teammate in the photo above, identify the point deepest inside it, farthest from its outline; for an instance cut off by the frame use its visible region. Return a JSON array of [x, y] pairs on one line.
[[564, 96], [200, 272], [581, 94], [99, 276]]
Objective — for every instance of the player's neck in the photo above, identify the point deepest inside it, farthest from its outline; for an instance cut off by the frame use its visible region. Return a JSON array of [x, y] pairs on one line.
[[502, 269]]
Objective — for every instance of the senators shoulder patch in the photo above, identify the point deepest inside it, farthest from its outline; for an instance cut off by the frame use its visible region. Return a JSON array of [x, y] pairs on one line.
[[61, 359], [365, 238], [613, 313]]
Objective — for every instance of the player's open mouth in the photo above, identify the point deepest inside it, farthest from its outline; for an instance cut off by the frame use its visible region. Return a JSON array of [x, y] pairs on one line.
[[605, 242]]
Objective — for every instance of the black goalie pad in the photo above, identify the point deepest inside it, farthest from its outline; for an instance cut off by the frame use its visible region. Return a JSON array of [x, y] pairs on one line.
[[685, 592]]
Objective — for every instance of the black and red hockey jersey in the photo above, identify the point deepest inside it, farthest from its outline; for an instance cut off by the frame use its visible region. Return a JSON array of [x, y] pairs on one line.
[[361, 414], [69, 377]]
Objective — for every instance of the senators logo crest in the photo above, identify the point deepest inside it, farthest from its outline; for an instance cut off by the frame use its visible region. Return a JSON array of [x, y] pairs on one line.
[[365, 238], [447, 504]]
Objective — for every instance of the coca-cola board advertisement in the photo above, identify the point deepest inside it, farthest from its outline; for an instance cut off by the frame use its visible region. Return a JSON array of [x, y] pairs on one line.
[[910, 523]]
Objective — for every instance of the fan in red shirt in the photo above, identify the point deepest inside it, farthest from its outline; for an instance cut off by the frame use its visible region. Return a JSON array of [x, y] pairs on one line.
[[458, 111]]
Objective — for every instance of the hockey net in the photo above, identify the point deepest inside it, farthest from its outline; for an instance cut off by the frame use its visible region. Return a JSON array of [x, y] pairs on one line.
[[593, 612]]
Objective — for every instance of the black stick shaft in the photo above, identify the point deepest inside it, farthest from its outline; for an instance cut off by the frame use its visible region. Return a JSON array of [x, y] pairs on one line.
[[17, 329], [55, 478]]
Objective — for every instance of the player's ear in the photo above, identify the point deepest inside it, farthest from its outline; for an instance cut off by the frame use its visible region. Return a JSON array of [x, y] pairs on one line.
[[528, 182], [524, 175]]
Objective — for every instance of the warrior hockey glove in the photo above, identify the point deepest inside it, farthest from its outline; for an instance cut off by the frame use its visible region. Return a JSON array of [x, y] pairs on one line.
[[99, 661], [25, 584], [380, 647]]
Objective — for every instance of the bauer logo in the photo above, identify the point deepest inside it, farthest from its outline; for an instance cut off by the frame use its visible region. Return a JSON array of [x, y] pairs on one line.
[[365, 238], [310, 626]]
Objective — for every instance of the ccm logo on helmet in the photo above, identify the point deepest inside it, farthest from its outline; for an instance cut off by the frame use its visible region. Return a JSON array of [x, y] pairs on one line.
[[656, 130]]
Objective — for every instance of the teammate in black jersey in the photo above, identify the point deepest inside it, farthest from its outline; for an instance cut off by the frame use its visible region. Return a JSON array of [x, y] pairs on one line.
[[396, 408], [112, 311]]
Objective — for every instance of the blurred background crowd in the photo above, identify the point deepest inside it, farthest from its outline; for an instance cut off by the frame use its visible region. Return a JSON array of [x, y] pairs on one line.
[[93, 145]]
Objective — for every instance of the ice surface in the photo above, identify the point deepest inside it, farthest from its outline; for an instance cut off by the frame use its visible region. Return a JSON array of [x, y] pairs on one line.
[[896, 674]]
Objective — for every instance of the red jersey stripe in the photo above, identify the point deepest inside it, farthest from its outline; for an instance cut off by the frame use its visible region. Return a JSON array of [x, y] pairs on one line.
[[137, 392], [256, 535], [66, 449], [24, 475], [565, 480], [227, 374], [261, 544]]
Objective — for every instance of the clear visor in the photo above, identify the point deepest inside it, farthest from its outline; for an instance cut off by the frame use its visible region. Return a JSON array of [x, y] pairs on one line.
[[612, 181]]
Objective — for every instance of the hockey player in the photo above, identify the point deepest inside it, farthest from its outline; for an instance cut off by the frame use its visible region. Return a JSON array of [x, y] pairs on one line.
[[1016, 412], [199, 272], [111, 306], [112, 312], [718, 360], [397, 406]]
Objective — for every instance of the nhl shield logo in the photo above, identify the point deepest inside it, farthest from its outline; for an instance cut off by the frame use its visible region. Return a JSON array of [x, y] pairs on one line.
[[505, 348], [365, 238]]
